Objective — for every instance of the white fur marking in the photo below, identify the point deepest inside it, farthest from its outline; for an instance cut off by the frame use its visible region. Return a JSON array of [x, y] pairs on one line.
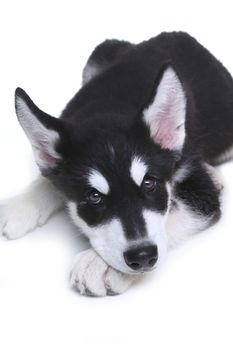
[[215, 175], [155, 224], [138, 170], [181, 174], [90, 71], [108, 240], [182, 222], [98, 181], [225, 156]]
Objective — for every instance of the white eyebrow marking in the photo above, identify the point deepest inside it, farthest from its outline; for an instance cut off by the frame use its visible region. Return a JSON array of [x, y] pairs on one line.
[[138, 170], [98, 181]]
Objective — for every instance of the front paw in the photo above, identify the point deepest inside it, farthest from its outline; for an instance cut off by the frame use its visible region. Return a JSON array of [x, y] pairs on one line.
[[21, 215], [93, 277], [17, 217]]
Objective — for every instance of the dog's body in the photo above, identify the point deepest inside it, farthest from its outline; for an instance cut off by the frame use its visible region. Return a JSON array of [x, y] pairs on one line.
[[132, 156]]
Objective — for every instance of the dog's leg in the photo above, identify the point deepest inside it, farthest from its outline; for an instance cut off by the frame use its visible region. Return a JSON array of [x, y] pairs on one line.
[[182, 223], [196, 203], [93, 277], [26, 211]]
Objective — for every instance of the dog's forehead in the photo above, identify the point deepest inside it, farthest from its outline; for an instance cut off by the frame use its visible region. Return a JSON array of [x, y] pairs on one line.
[[136, 169], [112, 162], [117, 167]]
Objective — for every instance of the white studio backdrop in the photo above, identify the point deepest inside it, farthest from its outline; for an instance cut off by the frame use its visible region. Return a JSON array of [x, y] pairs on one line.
[[188, 304]]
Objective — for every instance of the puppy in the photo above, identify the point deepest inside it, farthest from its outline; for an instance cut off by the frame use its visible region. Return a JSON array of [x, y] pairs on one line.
[[132, 156]]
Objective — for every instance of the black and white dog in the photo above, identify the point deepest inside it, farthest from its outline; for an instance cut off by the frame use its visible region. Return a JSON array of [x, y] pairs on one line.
[[132, 156]]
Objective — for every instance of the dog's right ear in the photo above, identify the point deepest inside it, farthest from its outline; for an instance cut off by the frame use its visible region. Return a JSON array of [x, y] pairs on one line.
[[43, 131]]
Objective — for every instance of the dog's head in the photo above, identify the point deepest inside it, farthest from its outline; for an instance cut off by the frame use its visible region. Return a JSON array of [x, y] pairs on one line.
[[116, 176]]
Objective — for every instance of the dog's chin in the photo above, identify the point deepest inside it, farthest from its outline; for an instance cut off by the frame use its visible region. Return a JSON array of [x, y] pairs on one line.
[[120, 265], [126, 270], [141, 272]]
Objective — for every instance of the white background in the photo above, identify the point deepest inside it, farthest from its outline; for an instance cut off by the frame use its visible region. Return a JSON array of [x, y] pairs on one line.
[[188, 304]]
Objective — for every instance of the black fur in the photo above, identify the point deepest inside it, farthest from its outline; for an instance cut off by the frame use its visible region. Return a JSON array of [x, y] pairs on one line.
[[199, 192], [107, 111], [131, 83]]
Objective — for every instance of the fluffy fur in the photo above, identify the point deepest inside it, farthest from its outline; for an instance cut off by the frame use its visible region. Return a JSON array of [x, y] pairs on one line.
[[23, 213], [131, 155]]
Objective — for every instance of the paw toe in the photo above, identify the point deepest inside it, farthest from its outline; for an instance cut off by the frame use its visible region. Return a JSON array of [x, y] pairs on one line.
[[117, 282]]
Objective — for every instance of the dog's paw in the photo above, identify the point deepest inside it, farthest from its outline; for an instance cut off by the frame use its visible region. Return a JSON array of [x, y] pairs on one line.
[[20, 215], [93, 277]]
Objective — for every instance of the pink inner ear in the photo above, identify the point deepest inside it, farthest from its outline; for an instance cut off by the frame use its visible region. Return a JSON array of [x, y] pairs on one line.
[[45, 156], [164, 129], [166, 115], [47, 159], [165, 138]]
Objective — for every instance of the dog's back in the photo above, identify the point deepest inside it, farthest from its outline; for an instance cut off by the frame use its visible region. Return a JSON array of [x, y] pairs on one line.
[[118, 71]]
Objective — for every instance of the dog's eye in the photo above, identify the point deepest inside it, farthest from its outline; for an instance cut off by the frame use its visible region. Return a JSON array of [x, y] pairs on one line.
[[148, 183], [94, 197]]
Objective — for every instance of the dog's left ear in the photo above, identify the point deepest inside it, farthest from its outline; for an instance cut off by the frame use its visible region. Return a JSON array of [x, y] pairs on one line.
[[43, 131], [165, 116]]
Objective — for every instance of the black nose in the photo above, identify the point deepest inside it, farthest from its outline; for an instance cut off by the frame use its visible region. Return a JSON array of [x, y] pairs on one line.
[[143, 258]]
